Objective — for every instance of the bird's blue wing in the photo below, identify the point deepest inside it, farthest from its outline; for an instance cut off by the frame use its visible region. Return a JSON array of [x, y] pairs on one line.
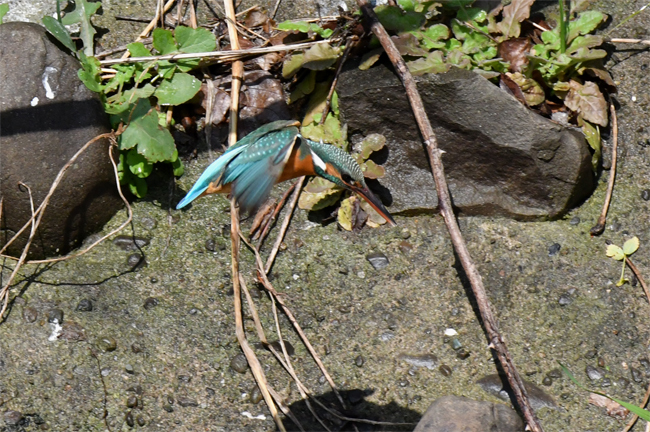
[[255, 171]]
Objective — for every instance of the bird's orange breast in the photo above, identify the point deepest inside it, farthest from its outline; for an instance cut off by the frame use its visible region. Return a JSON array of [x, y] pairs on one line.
[[300, 164]]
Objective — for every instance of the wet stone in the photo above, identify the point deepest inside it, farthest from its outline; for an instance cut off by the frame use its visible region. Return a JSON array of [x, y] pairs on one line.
[[132, 401], [239, 363], [575, 220], [13, 418], [377, 260], [148, 222], [547, 381], [30, 314], [554, 249], [134, 261], [555, 373], [150, 302], [403, 383], [130, 243], [462, 354], [637, 376], [73, 332], [167, 407], [355, 396], [405, 247], [601, 362], [141, 420], [128, 368], [594, 374], [85, 305], [211, 245], [359, 361], [185, 401], [645, 362], [170, 399], [591, 354], [136, 348], [128, 418], [55, 316], [645, 195], [255, 395], [606, 382], [455, 344], [445, 370], [107, 343], [405, 234], [564, 300]]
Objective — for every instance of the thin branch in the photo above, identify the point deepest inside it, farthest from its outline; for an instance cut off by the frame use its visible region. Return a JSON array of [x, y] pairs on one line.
[[275, 8], [602, 220], [637, 273], [217, 55], [276, 211], [285, 225], [632, 41], [444, 202]]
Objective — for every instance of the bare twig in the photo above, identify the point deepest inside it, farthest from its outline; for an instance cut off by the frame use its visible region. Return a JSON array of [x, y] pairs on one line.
[[275, 8], [496, 341], [348, 46], [121, 48], [235, 232], [602, 220], [180, 13], [632, 41], [276, 211], [193, 23], [285, 225], [637, 273], [216, 55]]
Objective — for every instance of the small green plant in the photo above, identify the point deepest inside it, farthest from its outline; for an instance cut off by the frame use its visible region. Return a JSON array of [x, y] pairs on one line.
[[4, 8], [137, 94], [559, 64], [621, 254], [643, 414]]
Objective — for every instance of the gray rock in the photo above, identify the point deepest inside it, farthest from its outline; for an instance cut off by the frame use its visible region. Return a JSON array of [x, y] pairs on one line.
[[494, 384], [459, 414], [500, 158], [47, 114]]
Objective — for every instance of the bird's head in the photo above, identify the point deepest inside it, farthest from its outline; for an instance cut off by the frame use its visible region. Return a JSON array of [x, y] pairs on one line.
[[337, 166]]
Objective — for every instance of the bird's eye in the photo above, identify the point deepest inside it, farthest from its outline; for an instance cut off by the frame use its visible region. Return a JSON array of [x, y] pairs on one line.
[[346, 178]]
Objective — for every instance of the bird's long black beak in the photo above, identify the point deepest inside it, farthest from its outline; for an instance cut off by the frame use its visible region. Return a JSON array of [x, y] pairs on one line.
[[372, 199]]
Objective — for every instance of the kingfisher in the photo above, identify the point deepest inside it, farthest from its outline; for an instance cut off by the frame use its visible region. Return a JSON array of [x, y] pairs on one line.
[[272, 154]]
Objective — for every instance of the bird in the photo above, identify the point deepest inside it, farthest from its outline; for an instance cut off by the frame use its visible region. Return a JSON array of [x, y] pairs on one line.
[[274, 153]]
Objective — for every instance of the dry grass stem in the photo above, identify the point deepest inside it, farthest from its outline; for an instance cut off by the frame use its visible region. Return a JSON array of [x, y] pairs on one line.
[[632, 41], [219, 56], [602, 220], [285, 225], [274, 216]]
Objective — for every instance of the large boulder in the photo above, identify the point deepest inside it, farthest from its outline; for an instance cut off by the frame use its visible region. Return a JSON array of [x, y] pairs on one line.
[[500, 158], [47, 115]]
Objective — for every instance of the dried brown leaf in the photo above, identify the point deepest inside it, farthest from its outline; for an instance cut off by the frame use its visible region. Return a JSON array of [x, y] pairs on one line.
[[408, 44], [587, 100], [515, 51], [513, 15], [220, 104], [614, 409]]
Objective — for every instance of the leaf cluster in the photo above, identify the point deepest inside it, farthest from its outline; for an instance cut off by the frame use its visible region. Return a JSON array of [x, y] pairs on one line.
[[135, 93], [538, 66]]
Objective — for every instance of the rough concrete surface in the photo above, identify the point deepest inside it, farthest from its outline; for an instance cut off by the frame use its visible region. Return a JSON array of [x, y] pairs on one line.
[[164, 333]]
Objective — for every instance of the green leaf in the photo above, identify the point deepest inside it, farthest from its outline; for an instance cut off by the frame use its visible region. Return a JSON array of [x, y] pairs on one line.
[[433, 37], [393, 18], [137, 164], [533, 92], [588, 41], [194, 40], [372, 171], [334, 103], [317, 102], [304, 87], [305, 27], [153, 142], [407, 5], [125, 100], [177, 165], [163, 41], [59, 32], [137, 49], [370, 58], [476, 15], [615, 252], [592, 135], [181, 88], [4, 8], [320, 56], [292, 65], [89, 73], [631, 246], [330, 132], [319, 194], [433, 63], [138, 186], [587, 100], [346, 212], [484, 54], [81, 15], [474, 42], [585, 23]]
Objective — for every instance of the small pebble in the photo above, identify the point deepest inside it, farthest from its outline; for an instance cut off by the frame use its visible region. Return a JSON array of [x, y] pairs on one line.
[[355, 396], [170, 399], [211, 392], [129, 368], [564, 299], [148, 222], [455, 344], [359, 361], [107, 343], [637, 376], [13, 418], [184, 379], [593, 373], [167, 407], [623, 382], [555, 373], [591, 354], [134, 261], [378, 260], [185, 401], [575, 220], [211, 245], [30, 314], [130, 243], [403, 383], [255, 395], [129, 419], [85, 305], [601, 362], [645, 195], [142, 421], [239, 363], [405, 233], [405, 247], [150, 303], [644, 362], [462, 354], [547, 381], [445, 370], [428, 361], [136, 348], [554, 249], [55, 315], [132, 401], [606, 382]]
